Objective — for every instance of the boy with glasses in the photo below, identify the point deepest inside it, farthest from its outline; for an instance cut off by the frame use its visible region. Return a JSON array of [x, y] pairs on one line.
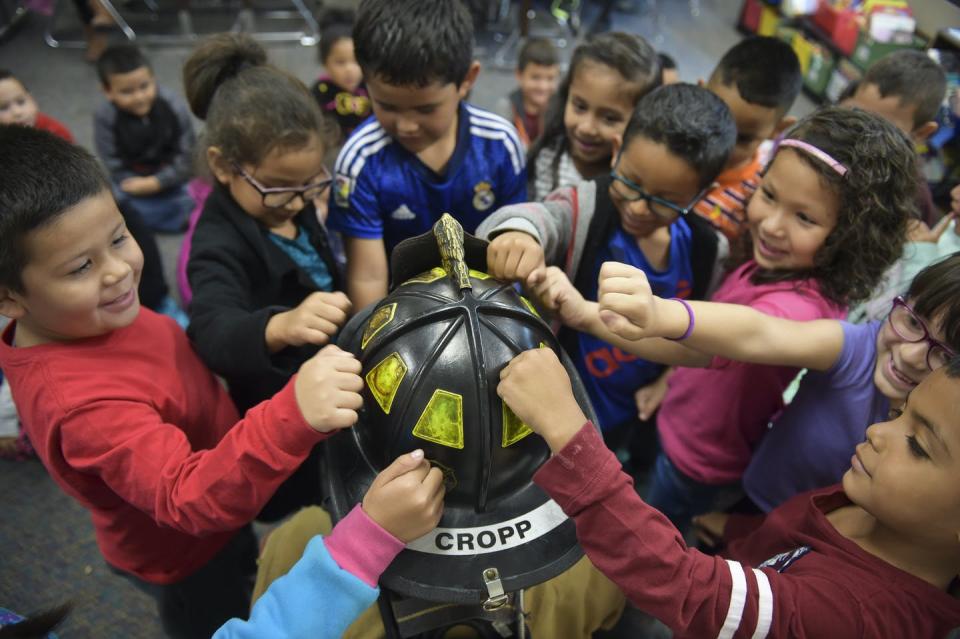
[[675, 144]]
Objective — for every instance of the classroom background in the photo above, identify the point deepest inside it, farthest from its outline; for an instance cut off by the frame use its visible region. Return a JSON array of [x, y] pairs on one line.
[[47, 549]]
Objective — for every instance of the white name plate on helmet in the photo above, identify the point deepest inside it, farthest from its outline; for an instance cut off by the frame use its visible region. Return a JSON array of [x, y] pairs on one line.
[[480, 540]]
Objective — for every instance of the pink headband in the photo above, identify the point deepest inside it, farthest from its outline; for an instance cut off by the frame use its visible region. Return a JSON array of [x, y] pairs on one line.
[[817, 153]]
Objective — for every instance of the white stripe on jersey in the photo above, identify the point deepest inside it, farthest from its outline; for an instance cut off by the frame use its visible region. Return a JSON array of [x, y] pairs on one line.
[[366, 152], [764, 605], [494, 122], [370, 134], [499, 135], [738, 599]]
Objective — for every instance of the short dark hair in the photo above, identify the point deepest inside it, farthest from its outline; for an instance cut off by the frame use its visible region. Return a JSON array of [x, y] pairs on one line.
[[913, 77], [120, 58], [692, 122], [6, 74], [335, 25], [666, 61], [935, 294], [538, 51], [765, 71], [41, 176], [414, 42]]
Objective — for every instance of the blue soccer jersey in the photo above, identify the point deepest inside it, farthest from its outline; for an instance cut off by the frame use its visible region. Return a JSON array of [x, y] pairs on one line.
[[384, 191], [611, 375]]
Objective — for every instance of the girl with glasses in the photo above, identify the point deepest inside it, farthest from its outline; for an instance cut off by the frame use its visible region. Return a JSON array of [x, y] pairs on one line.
[[266, 288], [857, 373]]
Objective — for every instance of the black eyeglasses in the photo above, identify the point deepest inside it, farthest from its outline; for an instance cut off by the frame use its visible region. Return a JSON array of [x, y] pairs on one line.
[[277, 197], [910, 328], [665, 209]]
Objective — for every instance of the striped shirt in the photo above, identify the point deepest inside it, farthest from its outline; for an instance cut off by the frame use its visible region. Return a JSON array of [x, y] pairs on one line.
[[384, 191], [791, 575], [725, 206], [567, 174]]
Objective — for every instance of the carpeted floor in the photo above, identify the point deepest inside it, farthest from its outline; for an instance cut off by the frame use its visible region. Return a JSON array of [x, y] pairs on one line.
[[49, 556]]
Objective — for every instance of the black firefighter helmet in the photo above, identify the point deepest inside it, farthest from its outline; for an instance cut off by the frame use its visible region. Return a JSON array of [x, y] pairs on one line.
[[432, 352]]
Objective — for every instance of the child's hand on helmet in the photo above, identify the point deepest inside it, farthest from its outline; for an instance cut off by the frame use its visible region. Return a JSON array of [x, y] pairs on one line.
[[558, 295], [537, 389], [515, 256], [406, 498], [318, 318], [328, 389]]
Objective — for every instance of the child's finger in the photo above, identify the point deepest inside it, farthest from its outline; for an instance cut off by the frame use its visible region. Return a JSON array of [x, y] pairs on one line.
[[316, 323], [343, 418], [537, 275], [348, 381], [620, 325], [616, 269], [347, 365], [346, 399], [333, 350], [400, 466]]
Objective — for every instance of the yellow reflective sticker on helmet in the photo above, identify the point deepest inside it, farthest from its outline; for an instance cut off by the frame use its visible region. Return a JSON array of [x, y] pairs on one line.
[[442, 420], [426, 277], [513, 429], [384, 379], [480, 275], [380, 318], [529, 306]]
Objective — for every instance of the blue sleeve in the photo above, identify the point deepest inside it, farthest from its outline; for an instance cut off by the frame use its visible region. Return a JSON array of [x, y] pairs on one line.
[[353, 209], [315, 599]]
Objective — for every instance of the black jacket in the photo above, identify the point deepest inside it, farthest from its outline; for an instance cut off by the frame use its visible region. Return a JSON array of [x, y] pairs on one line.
[[240, 279]]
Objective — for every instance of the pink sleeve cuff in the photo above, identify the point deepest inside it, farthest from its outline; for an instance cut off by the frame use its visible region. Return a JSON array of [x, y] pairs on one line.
[[360, 546]]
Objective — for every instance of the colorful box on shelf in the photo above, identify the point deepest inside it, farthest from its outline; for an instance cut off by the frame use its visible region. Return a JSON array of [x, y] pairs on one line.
[[750, 15], [841, 25], [769, 21], [817, 75], [869, 50], [843, 74], [891, 24]]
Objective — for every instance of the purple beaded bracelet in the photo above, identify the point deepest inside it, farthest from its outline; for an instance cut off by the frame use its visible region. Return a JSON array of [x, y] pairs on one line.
[[689, 326]]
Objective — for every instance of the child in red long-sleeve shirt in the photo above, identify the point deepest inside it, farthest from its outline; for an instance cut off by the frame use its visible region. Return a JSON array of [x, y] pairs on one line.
[[877, 556], [122, 412]]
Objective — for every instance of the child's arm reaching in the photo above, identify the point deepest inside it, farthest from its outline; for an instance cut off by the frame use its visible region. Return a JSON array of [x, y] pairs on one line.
[[151, 464], [524, 236], [336, 578], [557, 294], [628, 309], [640, 550]]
